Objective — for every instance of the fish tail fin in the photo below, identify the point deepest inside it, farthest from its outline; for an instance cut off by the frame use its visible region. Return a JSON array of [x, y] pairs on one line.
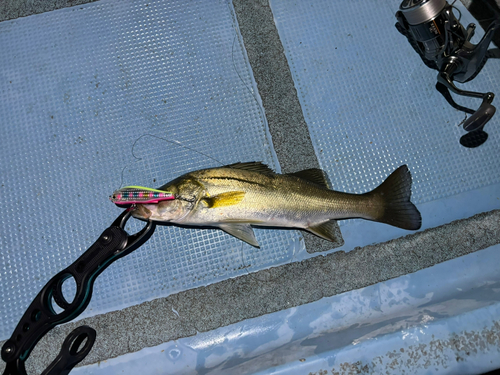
[[394, 195]]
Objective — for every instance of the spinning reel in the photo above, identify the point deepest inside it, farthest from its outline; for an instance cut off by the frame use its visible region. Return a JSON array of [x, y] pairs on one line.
[[444, 45]]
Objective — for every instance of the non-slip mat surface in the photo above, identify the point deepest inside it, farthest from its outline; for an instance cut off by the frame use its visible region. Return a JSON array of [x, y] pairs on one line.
[[371, 105], [79, 87]]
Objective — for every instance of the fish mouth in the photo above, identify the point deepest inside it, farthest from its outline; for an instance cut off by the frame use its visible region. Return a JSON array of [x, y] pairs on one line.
[[140, 212]]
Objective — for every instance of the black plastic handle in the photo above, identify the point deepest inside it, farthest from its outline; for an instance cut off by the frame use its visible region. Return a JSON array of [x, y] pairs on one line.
[[41, 315], [71, 354]]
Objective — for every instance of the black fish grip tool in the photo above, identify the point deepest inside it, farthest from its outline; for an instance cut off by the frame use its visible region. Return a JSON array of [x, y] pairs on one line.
[[41, 316]]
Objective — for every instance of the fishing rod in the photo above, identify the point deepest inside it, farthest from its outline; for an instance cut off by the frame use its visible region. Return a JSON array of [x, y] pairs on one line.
[[41, 316]]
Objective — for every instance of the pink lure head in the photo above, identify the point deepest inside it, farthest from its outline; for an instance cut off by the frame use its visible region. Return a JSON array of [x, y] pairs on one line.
[[139, 195]]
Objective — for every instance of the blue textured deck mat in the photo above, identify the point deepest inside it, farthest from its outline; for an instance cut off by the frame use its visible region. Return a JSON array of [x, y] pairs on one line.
[[78, 87], [371, 106]]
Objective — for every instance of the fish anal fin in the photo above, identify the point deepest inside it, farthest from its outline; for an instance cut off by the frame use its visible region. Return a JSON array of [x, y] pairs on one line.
[[314, 175], [243, 232], [224, 199], [326, 230], [255, 166]]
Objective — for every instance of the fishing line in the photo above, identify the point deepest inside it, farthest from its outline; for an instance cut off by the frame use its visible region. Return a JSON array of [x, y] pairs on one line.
[[477, 19], [248, 88], [461, 122], [236, 37], [241, 257], [458, 10], [174, 142]]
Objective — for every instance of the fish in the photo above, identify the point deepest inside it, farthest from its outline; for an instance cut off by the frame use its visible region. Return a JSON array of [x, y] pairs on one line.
[[237, 197]]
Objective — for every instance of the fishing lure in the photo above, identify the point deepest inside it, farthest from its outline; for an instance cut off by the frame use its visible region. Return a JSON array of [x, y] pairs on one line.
[[139, 194]]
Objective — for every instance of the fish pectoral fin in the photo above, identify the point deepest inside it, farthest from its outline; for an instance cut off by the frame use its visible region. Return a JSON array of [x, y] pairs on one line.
[[326, 230], [242, 231], [315, 175], [224, 199]]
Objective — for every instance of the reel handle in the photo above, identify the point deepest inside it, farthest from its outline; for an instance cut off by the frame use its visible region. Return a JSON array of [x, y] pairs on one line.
[[483, 114], [474, 125]]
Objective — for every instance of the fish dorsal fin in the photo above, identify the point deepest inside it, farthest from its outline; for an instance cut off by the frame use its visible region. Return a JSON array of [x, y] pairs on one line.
[[224, 199], [314, 175], [242, 231], [255, 166], [326, 230]]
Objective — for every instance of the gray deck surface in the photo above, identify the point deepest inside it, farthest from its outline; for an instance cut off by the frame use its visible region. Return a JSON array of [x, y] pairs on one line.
[[266, 291]]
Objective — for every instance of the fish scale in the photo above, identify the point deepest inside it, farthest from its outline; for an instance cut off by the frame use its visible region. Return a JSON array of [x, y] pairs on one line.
[[238, 196]]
